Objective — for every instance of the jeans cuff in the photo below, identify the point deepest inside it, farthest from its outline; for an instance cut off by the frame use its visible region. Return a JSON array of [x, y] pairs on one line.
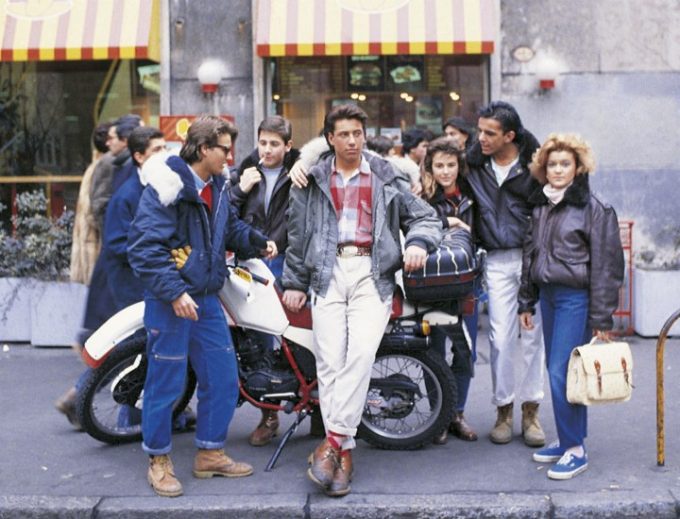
[[208, 445], [156, 452]]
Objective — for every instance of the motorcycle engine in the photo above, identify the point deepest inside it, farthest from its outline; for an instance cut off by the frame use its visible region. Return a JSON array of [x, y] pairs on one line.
[[262, 371]]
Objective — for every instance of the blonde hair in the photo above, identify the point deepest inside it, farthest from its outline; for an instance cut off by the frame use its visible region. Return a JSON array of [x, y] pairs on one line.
[[583, 154], [447, 146]]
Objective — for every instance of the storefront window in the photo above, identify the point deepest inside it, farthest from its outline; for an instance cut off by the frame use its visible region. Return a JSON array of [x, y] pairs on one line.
[[47, 113], [397, 92]]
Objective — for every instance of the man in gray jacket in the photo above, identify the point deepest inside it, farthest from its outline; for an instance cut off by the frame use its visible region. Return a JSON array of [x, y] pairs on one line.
[[344, 246]]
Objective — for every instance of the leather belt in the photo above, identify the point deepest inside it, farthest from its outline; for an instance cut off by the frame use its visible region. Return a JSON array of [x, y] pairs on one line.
[[349, 251]]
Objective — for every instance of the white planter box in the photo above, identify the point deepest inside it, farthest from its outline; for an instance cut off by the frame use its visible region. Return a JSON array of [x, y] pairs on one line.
[[44, 313], [656, 296]]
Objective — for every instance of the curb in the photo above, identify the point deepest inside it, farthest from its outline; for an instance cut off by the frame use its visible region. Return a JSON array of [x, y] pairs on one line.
[[558, 505]]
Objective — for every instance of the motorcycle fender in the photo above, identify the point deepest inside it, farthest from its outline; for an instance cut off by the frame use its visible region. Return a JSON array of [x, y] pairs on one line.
[[118, 328]]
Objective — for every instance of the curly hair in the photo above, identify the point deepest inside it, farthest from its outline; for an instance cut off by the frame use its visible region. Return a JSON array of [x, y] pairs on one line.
[[445, 145], [583, 154]]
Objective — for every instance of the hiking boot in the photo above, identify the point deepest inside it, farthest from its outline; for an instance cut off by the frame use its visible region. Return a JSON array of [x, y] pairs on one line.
[[161, 477], [569, 466], [322, 464], [342, 476], [502, 431], [66, 404], [461, 429], [531, 428], [214, 462], [441, 438], [266, 429]]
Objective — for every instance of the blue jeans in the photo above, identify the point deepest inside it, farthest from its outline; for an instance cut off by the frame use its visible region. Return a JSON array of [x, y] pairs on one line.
[[565, 326], [464, 358], [207, 344]]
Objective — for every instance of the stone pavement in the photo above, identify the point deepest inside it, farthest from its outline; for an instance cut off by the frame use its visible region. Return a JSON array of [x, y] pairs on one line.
[[49, 470]]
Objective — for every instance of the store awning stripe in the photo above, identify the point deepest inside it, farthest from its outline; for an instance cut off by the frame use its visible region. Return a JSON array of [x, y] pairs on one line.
[[344, 27], [79, 29]]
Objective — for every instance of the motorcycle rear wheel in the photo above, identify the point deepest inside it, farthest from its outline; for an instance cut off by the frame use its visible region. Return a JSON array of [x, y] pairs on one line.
[[416, 417], [110, 400]]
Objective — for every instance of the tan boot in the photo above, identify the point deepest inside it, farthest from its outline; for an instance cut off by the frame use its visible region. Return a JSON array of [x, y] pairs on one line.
[[502, 431], [161, 477], [214, 462], [66, 404], [531, 428], [322, 464], [266, 429], [342, 476]]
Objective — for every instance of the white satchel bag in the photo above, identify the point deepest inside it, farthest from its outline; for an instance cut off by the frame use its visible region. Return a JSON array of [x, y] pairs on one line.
[[600, 373]]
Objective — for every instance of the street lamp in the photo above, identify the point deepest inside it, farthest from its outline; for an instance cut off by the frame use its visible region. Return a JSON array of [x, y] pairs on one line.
[[209, 76]]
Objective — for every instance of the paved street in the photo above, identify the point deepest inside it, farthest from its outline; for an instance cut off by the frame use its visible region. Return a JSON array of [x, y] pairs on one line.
[[48, 470]]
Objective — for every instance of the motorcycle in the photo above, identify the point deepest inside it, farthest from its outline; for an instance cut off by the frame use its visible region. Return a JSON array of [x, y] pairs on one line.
[[411, 396]]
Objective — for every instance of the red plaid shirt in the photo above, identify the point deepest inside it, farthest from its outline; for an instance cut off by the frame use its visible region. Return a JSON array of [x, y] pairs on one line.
[[353, 206]]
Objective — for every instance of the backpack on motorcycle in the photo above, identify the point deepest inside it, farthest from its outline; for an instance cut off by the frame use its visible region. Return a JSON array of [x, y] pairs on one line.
[[449, 273]]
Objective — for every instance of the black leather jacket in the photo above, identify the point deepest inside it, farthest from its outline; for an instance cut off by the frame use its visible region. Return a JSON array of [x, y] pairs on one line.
[[576, 244]]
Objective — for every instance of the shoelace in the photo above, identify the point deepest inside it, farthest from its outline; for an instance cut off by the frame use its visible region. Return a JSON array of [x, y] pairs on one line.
[[566, 459]]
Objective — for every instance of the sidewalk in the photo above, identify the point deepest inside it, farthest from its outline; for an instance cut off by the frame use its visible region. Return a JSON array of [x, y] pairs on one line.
[[49, 470]]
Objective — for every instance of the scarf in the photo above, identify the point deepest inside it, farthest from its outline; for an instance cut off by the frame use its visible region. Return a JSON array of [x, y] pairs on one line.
[[554, 195]]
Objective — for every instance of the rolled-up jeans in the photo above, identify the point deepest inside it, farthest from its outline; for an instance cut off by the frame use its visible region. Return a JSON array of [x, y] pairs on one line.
[[207, 344]]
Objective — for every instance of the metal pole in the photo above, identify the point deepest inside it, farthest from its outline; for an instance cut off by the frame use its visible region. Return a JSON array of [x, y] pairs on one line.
[[660, 344]]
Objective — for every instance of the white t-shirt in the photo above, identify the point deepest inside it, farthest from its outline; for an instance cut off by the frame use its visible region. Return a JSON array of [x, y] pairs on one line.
[[502, 171]]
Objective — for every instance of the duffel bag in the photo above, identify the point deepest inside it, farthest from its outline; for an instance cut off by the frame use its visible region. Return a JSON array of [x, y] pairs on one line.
[[449, 273]]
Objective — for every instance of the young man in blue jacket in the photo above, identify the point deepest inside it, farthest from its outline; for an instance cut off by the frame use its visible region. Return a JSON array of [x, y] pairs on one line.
[[176, 246]]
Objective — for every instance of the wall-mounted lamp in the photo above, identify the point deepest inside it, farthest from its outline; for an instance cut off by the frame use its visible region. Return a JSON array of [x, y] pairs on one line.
[[547, 69], [209, 75]]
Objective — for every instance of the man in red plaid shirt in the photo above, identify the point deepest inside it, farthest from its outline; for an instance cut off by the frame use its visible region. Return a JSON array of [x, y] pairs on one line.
[[343, 245]]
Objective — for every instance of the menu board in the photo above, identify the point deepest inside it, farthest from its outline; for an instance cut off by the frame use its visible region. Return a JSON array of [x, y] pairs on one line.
[[303, 77], [434, 74], [365, 73], [405, 73]]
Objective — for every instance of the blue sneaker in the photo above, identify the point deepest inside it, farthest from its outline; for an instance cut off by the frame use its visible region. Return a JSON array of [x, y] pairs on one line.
[[552, 452], [569, 466]]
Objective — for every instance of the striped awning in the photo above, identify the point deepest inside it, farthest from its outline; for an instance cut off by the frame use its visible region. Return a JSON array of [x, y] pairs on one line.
[[32, 30], [356, 27]]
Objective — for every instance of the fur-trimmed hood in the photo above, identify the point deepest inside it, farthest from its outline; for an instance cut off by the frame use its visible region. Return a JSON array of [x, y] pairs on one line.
[[577, 194], [530, 144], [168, 183]]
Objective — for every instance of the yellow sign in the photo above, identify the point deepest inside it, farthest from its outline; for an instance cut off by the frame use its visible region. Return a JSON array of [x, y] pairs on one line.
[[243, 274]]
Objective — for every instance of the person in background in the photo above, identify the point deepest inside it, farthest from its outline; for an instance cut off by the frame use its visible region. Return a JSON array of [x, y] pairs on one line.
[[186, 207], [445, 189], [414, 143], [459, 129], [573, 259], [501, 184], [349, 264], [382, 145], [260, 195]]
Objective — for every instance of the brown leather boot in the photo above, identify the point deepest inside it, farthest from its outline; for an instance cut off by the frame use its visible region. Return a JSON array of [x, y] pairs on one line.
[[441, 438], [531, 428], [266, 429], [461, 429], [323, 462], [161, 477], [342, 476], [214, 462], [502, 431]]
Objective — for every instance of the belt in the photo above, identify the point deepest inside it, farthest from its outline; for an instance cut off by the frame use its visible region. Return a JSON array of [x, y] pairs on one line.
[[349, 251]]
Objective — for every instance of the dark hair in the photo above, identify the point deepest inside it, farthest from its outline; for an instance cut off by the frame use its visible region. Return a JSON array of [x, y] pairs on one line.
[[138, 141], [278, 125], [411, 138], [337, 113], [125, 124], [459, 124], [507, 116], [205, 131], [445, 145], [100, 134], [232, 130], [380, 144]]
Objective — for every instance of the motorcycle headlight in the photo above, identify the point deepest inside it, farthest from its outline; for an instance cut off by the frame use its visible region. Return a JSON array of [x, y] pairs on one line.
[[425, 327]]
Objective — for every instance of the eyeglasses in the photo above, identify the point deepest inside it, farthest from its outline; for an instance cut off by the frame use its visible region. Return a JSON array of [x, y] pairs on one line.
[[225, 149]]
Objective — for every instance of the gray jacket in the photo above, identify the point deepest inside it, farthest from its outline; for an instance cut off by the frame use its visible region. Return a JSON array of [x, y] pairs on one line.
[[577, 244], [313, 228]]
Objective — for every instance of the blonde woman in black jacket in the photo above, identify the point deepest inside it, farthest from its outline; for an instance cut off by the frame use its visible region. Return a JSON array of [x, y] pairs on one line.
[[573, 258]]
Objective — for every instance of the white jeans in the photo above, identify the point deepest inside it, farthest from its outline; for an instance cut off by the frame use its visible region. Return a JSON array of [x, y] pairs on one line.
[[502, 274], [349, 323]]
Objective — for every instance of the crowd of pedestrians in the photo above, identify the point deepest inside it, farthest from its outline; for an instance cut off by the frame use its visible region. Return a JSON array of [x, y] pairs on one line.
[[155, 227]]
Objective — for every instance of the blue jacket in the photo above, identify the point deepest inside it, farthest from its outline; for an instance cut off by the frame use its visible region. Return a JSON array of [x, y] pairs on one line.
[[125, 287], [121, 175], [170, 215]]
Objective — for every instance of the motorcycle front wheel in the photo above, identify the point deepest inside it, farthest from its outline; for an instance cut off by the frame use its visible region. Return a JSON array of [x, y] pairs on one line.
[[109, 403], [410, 400]]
